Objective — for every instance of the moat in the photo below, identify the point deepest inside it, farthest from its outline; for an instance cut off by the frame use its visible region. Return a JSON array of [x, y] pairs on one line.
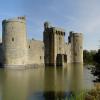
[[44, 83]]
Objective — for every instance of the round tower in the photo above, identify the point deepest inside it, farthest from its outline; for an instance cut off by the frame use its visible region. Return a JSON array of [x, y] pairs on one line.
[[14, 41], [77, 47]]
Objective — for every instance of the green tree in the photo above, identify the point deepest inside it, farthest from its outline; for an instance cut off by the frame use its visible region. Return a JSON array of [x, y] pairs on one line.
[[97, 57], [96, 69], [88, 56]]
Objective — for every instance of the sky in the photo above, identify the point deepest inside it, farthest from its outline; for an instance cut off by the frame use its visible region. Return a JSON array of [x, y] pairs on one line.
[[82, 16]]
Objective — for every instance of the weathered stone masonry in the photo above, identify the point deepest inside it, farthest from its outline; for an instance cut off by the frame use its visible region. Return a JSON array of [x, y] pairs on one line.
[[16, 49]]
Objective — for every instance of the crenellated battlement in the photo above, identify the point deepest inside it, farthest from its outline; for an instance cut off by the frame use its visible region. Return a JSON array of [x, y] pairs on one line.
[[57, 52], [53, 50]]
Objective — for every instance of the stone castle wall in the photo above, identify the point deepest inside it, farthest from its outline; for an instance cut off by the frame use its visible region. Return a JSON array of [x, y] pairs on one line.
[[68, 52], [76, 47], [14, 40], [16, 49], [58, 52], [1, 54], [35, 52]]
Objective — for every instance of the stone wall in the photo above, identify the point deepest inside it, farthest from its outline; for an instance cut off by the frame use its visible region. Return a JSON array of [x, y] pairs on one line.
[[16, 49], [76, 47], [68, 52], [1, 54], [35, 52], [14, 40], [54, 44]]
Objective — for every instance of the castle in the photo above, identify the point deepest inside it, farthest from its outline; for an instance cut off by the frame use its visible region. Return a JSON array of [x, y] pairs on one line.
[[17, 50]]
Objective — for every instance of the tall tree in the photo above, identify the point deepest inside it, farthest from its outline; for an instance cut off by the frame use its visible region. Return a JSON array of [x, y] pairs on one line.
[[96, 70]]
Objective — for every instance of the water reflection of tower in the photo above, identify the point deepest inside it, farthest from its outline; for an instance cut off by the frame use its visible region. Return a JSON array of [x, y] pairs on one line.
[[75, 77], [49, 83], [1, 83], [54, 86], [60, 83]]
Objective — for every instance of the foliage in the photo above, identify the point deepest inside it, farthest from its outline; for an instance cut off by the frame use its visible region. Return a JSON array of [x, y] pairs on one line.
[[93, 94], [88, 56], [96, 69], [97, 57], [93, 57]]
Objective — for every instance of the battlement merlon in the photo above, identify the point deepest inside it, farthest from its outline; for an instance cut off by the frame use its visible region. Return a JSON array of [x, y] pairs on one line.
[[56, 30], [75, 34], [21, 19]]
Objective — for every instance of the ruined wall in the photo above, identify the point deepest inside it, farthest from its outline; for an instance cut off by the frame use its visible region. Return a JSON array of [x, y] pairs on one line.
[[35, 52]]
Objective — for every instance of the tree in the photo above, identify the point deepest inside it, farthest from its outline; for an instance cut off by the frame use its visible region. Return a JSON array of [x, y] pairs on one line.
[[97, 57], [96, 69], [88, 56]]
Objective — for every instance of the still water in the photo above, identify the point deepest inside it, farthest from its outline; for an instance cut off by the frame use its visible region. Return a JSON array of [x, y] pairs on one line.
[[44, 83]]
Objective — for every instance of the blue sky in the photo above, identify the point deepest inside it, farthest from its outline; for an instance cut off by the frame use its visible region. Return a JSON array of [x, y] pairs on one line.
[[72, 15]]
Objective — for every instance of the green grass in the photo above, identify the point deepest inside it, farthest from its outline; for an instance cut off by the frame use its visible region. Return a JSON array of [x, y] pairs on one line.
[[93, 94], [77, 96]]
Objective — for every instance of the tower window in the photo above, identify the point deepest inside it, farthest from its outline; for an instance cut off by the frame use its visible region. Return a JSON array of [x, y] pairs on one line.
[[13, 39], [40, 57], [59, 48], [29, 46], [80, 47]]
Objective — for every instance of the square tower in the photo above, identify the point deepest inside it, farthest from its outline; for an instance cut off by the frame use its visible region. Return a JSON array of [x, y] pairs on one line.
[[53, 38]]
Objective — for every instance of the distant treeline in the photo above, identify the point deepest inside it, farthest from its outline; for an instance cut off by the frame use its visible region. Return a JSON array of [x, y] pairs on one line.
[[96, 69], [88, 56], [91, 57], [97, 57]]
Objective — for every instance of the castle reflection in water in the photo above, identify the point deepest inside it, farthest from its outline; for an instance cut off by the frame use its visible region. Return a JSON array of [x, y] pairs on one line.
[[43, 83]]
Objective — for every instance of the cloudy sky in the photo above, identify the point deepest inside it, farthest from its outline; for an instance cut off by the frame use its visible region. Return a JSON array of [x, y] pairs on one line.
[[72, 15]]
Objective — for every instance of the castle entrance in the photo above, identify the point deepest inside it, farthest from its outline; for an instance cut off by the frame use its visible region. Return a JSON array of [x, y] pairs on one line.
[[59, 60]]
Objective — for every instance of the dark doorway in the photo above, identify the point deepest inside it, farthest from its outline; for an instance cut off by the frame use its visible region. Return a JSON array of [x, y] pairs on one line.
[[65, 58], [1, 65], [59, 60]]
